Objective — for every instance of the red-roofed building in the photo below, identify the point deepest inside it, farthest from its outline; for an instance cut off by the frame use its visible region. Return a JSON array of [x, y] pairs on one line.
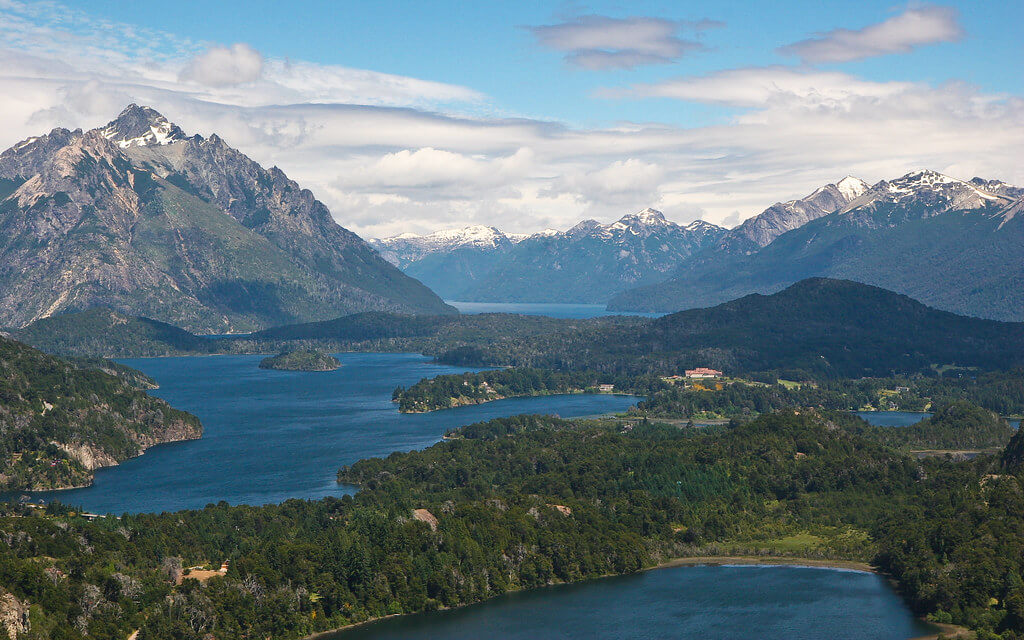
[[703, 372]]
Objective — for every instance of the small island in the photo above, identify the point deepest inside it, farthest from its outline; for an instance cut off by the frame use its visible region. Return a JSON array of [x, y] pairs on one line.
[[301, 360]]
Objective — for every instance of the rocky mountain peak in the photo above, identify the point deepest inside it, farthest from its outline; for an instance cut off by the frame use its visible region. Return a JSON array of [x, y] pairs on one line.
[[852, 188], [930, 193], [139, 126], [647, 217]]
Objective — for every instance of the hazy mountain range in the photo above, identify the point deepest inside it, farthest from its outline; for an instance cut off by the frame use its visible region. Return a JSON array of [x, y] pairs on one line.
[[953, 244], [139, 217], [585, 264]]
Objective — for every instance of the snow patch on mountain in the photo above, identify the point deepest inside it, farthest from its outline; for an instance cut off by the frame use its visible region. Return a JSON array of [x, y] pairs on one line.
[[933, 193], [140, 127]]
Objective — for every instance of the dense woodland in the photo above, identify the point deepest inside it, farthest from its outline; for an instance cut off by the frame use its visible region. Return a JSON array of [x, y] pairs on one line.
[[448, 391], [301, 360], [762, 392], [527, 501]]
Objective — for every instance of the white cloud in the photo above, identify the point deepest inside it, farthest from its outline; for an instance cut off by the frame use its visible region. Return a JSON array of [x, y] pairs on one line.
[[390, 154], [599, 42], [900, 34], [759, 86], [438, 171], [630, 183], [225, 66]]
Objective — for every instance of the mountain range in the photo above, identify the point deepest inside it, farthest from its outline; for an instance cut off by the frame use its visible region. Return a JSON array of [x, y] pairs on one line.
[[585, 264], [141, 218], [952, 244]]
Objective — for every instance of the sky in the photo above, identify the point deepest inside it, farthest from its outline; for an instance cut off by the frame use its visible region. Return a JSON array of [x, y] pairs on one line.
[[419, 116]]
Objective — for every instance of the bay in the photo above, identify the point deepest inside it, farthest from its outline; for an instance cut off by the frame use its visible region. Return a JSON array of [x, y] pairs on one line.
[[274, 435]]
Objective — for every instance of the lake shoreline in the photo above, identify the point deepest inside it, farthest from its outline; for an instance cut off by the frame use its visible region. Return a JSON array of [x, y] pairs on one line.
[[941, 630]]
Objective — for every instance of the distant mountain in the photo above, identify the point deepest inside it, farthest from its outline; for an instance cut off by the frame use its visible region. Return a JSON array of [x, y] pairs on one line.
[[781, 217], [953, 244], [139, 217], [61, 421], [586, 264], [408, 248]]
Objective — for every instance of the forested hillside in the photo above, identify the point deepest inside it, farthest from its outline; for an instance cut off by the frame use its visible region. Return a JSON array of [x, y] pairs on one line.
[[60, 422], [529, 501]]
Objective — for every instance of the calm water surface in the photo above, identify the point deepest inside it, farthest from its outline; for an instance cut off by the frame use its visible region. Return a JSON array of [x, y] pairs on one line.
[[904, 418], [710, 603], [274, 435], [551, 310]]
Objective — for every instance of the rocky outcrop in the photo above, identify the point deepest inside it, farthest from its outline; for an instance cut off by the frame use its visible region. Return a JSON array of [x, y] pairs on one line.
[[13, 615]]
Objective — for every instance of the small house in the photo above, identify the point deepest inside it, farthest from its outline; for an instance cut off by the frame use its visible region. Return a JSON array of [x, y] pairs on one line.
[[606, 388]]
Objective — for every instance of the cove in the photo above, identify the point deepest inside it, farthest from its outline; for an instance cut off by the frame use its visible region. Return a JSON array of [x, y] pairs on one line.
[[708, 602], [274, 435]]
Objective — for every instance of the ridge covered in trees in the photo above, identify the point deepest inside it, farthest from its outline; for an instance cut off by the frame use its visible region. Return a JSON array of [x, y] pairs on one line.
[[823, 328], [60, 420], [527, 501]]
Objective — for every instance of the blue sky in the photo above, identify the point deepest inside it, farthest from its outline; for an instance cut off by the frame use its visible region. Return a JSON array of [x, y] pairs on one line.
[[486, 46], [421, 115]]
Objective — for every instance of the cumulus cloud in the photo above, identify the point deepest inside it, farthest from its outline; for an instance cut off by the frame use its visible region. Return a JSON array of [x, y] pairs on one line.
[[225, 66], [599, 42], [900, 34], [631, 183]]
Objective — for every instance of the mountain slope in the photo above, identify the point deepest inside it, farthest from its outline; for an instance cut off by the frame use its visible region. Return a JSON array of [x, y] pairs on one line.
[[61, 422], [948, 243], [139, 218], [586, 264], [821, 327], [781, 217]]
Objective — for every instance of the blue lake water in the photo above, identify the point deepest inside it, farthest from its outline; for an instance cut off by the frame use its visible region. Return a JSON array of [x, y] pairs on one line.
[[552, 310], [893, 418], [274, 435], [712, 603], [904, 418]]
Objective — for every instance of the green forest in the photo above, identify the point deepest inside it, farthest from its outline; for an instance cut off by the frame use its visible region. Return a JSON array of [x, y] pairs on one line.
[[527, 501], [820, 329]]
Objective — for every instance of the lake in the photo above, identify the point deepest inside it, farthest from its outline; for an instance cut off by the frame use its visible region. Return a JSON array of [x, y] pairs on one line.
[[905, 418], [274, 435], [712, 602], [552, 310]]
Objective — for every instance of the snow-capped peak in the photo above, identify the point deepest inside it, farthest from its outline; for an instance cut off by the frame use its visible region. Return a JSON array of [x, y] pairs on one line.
[[930, 193], [701, 225], [852, 188], [477, 235], [648, 216], [141, 126]]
